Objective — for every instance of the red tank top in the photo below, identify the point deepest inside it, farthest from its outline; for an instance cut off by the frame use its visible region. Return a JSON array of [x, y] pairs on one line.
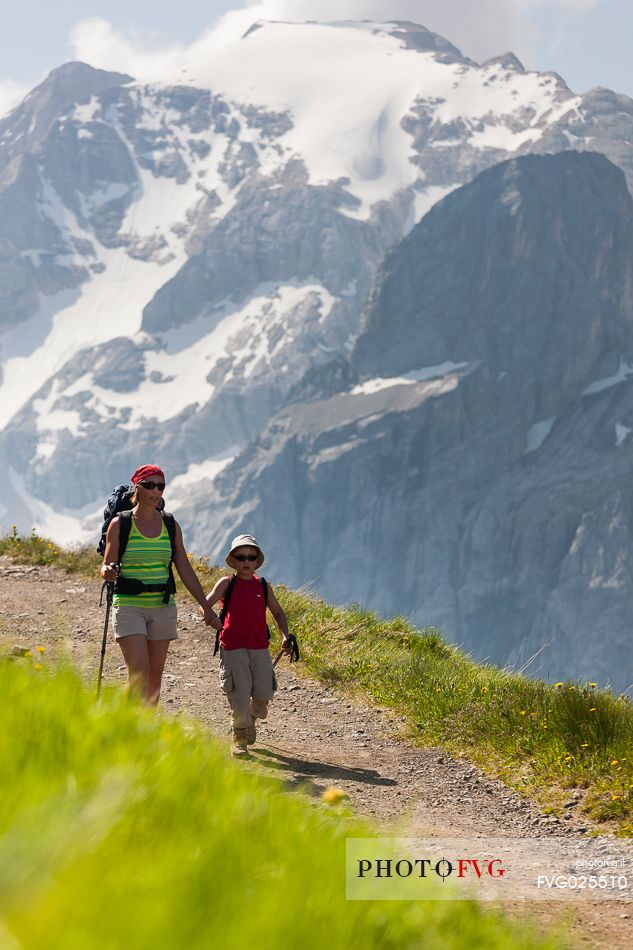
[[245, 622]]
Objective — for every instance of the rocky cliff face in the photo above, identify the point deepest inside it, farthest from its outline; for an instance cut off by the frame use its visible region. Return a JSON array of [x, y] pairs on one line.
[[473, 473]]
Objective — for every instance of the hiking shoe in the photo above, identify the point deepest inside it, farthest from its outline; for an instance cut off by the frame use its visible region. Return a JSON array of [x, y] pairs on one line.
[[239, 746], [251, 735]]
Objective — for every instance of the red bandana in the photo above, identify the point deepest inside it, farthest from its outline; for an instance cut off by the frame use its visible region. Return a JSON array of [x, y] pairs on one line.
[[146, 471]]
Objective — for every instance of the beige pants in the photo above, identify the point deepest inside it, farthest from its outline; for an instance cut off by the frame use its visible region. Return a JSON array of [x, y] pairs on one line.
[[248, 680], [155, 623]]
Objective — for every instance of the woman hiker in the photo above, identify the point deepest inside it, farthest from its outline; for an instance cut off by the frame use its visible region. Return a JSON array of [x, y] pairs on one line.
[[144, 614]]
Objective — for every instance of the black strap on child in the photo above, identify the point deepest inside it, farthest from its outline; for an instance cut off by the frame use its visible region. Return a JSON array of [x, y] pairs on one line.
[[225, 607], [291, 641], [294, 648]]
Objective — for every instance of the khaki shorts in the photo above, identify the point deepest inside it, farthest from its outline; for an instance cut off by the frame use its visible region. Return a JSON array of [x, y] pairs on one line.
[[155, 623], [247, 673]]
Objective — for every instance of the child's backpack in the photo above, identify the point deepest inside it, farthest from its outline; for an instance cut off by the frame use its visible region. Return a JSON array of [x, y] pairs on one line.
[[225, 607]]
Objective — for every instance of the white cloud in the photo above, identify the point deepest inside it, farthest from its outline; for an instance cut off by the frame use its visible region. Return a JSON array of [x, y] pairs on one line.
[[11, 93], [95, 41]]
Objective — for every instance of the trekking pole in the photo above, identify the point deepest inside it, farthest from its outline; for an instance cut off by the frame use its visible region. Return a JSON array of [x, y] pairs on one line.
[[109, 587], [294, 651]]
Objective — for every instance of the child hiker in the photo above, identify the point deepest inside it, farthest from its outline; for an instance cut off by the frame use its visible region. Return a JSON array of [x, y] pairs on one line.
[[246, 671]]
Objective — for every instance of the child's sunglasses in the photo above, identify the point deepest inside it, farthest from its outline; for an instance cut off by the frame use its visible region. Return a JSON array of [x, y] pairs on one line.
[[245, 557], [152, 485]]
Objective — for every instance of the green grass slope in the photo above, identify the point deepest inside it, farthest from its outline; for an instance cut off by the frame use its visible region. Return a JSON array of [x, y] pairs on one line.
[[121, 828]]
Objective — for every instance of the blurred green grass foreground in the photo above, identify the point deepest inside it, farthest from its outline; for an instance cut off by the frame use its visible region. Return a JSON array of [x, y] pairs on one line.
[[122, 828]]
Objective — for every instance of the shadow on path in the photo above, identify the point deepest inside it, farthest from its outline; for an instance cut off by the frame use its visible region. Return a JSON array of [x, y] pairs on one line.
[[305, 769]]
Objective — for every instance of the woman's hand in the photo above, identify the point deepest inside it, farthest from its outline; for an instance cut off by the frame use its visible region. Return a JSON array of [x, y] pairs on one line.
[[109, 572]]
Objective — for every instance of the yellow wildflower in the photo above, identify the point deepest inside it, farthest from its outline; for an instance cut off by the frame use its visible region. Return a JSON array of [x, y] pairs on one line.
[[333, 795], [615, 762], [583, 745], [593, 709], [523, 712], [593, 685], [558, 685], [41, 649]]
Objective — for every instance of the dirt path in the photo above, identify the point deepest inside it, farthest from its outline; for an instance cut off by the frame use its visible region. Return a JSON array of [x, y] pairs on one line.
[[315, 737]]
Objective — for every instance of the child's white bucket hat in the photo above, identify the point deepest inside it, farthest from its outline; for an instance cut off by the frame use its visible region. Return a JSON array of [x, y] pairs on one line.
[[242, 541]]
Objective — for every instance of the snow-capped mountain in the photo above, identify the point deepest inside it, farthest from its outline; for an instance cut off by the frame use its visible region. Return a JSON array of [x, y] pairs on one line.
[[469, 464], [175, 256]]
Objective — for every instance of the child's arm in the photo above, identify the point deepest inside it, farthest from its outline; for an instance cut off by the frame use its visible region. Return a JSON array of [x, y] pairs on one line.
[[218, 592], [280, 617]]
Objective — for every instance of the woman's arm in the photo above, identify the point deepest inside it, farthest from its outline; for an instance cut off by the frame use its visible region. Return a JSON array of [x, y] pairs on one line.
[[280, 617], [107, 572], [190, 579]]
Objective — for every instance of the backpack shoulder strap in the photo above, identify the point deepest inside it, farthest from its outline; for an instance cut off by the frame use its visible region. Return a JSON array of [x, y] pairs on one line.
[[264, 584], [227, 598], [125, 526], [225, 606], [170, 524]]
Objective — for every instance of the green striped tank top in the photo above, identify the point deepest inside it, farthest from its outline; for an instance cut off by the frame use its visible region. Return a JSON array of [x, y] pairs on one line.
[[147, 560]]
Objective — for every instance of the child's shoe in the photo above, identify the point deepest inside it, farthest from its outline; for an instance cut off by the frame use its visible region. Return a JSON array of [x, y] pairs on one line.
[[251, 735], [239, 746]]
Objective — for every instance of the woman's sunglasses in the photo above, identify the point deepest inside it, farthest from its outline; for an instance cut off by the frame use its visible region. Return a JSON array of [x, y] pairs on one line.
[[245, 557], [152, 485]]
